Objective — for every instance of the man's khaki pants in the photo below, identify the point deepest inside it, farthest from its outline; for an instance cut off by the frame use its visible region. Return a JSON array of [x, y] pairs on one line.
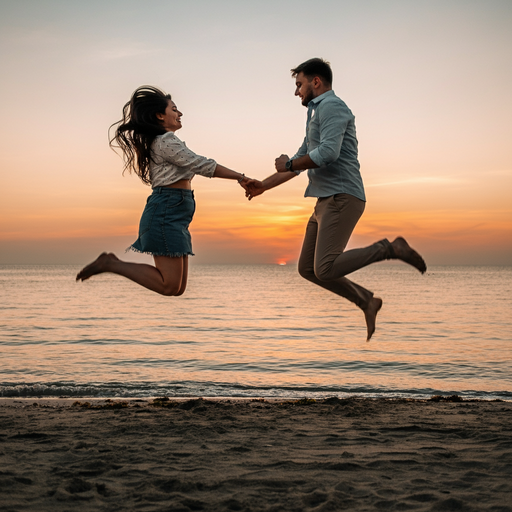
[[322, 260]]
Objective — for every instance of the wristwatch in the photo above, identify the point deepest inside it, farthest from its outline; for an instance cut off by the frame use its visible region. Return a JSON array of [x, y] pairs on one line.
[[288, 165]]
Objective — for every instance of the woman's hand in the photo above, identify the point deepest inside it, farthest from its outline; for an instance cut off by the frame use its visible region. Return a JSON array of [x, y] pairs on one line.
[[252, 188]]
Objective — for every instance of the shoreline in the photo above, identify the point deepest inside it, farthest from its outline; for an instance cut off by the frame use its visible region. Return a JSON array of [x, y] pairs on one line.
[[69, 401], [255, 454], [354, 396]]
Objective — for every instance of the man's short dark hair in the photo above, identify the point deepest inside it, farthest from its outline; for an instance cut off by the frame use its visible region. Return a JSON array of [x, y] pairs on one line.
[[315, 67]]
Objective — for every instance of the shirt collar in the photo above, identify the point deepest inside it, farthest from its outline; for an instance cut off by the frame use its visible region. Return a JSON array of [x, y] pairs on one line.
[[318, 99]]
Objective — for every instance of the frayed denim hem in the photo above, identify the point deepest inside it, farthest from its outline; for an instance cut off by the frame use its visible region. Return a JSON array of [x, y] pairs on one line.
[[173, 255]]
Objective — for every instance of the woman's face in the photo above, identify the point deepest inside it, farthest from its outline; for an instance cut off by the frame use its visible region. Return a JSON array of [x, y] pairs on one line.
[[171, 119]]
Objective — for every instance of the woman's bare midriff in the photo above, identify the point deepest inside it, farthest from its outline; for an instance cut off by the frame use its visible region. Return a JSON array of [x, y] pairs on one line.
[[180, 184]]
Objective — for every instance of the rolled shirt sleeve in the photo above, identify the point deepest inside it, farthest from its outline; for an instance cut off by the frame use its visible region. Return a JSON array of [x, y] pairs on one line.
[[332, 124], [172, 161], [175, 151], [302, 151]]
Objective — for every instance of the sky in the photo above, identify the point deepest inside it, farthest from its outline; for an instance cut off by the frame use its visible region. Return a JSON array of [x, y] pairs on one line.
[[428, 81]]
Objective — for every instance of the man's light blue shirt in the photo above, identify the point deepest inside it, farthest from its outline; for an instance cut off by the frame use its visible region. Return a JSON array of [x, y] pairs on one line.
[[331, 143]]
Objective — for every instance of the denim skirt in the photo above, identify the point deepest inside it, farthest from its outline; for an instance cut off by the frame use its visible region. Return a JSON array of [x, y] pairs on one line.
[[163, 227]]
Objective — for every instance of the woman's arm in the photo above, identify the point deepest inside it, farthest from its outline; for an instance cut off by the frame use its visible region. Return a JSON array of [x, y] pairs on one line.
[[227, 174], [278, 178]]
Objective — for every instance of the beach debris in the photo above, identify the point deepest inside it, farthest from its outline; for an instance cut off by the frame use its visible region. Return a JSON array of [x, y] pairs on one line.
[[451, 398], [304, 401], [334, 400], [163, 401], [110, 404], [198, 404], [301, 401], [81, 404], [193, 404]]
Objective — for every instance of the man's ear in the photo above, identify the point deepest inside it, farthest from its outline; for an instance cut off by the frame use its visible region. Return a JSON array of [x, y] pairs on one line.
[[317, 82]]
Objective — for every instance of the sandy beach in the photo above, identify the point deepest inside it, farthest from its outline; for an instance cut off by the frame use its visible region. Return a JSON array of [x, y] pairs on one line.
[[242, 455]]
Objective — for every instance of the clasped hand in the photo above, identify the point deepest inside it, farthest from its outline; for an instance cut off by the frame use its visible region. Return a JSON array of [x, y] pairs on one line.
[[252, 187]]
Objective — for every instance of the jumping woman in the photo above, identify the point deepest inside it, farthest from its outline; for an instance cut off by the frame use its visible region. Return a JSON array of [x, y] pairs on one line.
[[146, 136]]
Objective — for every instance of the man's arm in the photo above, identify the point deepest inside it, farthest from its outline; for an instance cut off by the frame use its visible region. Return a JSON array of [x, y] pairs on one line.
[[256, 188], [298, 164], [301, 160]]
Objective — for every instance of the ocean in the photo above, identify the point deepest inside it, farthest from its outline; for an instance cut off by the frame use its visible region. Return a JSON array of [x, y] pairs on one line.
[[256, 331]]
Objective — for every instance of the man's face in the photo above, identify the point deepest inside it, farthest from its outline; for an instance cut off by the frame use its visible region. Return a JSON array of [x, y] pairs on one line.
[[304, 89]]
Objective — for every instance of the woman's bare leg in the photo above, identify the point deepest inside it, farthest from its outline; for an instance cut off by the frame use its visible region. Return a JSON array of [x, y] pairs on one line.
[[184, 276], [167, 277]]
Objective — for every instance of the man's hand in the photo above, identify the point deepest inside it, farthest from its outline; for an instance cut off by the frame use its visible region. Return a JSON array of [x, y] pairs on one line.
[[281, 163], [254, 188]]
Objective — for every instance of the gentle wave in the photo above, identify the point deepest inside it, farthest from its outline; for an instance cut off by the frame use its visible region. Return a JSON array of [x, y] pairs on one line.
[[224, 390]]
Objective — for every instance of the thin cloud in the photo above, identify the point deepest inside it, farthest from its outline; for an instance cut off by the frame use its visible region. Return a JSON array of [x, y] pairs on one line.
[[425, 180]]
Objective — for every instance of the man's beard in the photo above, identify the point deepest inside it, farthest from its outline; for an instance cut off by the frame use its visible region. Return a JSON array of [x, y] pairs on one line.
[[309, 96]]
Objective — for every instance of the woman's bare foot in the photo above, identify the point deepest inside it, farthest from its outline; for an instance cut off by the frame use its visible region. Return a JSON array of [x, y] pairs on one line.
[[370, 315], [99, 265], [403, 251]]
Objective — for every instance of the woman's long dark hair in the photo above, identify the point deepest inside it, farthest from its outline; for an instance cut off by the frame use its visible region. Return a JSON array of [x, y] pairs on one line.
[[138, 128]]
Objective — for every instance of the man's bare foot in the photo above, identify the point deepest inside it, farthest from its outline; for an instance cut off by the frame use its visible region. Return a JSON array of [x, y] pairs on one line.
[[98, 266], [403, 251], [370, 315]]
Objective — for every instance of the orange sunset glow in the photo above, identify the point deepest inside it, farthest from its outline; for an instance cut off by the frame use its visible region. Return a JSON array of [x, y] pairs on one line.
[[434, 137]]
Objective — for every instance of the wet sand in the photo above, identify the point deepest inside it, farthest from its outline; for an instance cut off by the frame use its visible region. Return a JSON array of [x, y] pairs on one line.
[[242, 455]]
